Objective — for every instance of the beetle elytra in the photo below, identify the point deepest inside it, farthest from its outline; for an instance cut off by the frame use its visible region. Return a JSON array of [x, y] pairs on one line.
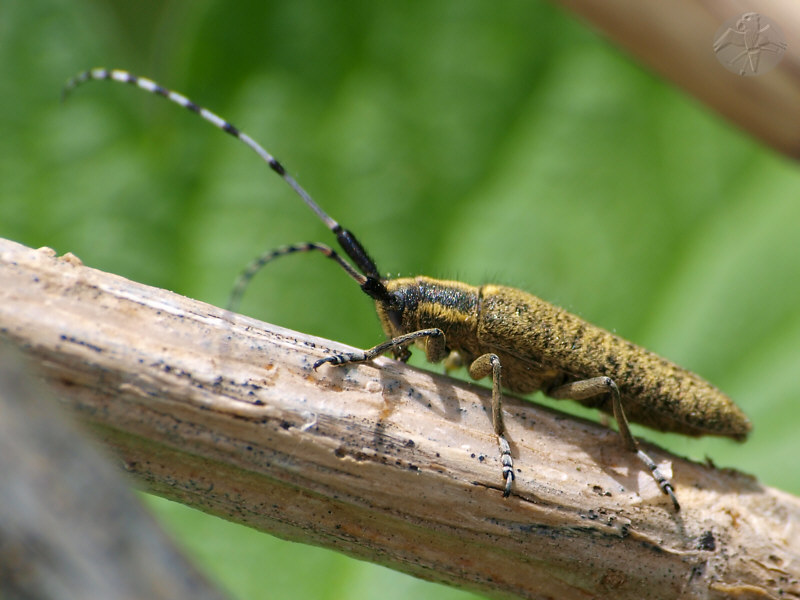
[[524, 343]]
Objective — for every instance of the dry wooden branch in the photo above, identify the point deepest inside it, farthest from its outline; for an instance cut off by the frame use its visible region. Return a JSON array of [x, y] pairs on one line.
[[676, 39], [69, 526], [383, 462]]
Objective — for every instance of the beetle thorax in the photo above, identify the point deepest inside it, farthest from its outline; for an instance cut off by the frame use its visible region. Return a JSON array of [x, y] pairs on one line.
[[422, 302]]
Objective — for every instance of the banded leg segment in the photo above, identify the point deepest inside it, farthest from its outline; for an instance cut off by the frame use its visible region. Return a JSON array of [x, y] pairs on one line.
[[434, 349], [586, 388], [483, 366]]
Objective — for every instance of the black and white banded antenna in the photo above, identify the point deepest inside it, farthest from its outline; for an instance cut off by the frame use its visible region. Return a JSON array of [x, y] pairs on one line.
[[365, 274]]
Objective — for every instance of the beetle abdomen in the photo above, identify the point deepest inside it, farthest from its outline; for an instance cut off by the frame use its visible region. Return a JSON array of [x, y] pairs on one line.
[[538, 338]]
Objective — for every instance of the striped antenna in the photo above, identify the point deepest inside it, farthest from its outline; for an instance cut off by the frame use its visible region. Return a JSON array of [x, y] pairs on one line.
[[352, 247], [260, 262]]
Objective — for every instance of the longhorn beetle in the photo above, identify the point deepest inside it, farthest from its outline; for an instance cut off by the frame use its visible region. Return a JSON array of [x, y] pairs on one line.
[[524, 343]]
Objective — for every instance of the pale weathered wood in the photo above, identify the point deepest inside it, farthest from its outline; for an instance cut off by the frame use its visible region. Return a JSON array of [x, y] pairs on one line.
[[384, 462], [70, 527], [675, 38]]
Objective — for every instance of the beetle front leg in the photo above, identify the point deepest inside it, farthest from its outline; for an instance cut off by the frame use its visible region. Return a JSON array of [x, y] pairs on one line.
[[586, 388], [434, 348], [483, 366]]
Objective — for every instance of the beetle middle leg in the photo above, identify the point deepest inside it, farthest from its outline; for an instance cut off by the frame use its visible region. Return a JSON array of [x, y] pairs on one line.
[[586, 388], [435, 350], [483, 366]]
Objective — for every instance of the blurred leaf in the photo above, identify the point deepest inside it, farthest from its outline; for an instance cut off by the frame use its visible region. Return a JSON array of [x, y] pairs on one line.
[[460, 140]]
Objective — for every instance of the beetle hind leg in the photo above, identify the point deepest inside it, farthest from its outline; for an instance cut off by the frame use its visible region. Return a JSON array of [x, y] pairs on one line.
[[587, 388], [483, 366]]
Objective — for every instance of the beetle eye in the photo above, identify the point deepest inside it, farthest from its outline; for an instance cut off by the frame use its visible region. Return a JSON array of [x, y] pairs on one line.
[[396, 310], [396, 318]]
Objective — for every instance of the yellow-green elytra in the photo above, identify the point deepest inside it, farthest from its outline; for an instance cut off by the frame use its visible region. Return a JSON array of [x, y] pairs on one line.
[[542, 347], [524, 343]]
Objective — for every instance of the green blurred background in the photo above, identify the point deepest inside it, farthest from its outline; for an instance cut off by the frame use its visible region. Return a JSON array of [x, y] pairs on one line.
[[460, 139]]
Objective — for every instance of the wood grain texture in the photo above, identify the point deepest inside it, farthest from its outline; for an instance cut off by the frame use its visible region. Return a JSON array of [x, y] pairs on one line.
[[70, 527], [383, 461]]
